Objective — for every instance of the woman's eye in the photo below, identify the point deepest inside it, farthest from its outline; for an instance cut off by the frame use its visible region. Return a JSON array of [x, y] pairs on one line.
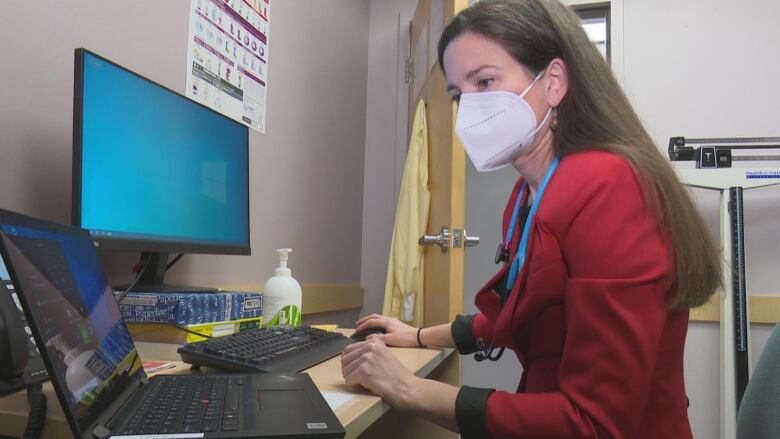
[[485, 82]]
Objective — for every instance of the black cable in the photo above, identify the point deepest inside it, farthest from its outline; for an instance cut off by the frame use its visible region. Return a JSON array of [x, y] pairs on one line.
[[141, 273], [135, 281], [190, 331], [486, 353], [174, 261], [121, 296], [37, 418]]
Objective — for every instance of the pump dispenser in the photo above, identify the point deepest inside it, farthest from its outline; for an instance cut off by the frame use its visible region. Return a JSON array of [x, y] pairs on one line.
[[79, 377], [282, 295]]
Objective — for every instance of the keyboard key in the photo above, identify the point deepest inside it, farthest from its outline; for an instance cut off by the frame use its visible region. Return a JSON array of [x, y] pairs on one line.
[[210, 426], [191, 427]]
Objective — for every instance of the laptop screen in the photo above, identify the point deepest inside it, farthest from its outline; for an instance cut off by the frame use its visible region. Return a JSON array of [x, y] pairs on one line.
[[72, 311], [3, 272]]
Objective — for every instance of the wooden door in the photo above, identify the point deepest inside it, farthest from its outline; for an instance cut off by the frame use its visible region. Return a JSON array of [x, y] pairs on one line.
[[442, 271]]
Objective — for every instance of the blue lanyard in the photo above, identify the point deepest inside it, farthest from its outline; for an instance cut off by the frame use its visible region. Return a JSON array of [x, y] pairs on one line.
[[521, 197], [519, 260]]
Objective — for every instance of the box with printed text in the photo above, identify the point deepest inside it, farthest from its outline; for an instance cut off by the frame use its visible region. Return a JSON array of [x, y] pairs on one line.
[[189, 307]]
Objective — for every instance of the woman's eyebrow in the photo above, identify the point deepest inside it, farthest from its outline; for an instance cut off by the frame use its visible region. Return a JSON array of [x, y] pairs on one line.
[[473, 72], [451, 88]]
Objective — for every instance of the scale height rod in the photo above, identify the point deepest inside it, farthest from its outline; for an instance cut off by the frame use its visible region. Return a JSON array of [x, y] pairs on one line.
[[728, 402], [739, 290]]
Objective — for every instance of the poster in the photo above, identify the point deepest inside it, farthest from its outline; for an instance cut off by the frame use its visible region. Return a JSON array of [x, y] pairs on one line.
[[227, 58]]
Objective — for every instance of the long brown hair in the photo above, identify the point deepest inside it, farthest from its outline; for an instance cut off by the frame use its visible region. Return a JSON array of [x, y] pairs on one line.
[[595, 114]]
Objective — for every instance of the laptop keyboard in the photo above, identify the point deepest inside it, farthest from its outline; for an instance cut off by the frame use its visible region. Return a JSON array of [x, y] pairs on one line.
[[189, 404], [278, 349]]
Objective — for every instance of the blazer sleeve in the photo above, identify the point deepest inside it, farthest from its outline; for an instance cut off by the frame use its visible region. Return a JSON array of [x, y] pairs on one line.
[[466, 329], [620, 271]]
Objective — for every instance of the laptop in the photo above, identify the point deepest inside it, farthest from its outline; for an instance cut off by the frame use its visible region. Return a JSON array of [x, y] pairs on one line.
[[95, 369]]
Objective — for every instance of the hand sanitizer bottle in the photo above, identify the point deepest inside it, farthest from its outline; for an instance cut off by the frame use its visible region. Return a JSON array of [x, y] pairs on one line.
[[282, 295]]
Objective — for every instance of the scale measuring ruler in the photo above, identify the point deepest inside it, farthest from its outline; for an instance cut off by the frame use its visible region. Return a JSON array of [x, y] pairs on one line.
[[739, 293]]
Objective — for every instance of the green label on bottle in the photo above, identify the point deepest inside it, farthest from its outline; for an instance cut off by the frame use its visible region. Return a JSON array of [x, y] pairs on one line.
[[290, 315]]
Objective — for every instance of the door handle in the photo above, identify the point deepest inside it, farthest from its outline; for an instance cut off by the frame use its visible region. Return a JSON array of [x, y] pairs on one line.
[[443, 239], [461, 239]]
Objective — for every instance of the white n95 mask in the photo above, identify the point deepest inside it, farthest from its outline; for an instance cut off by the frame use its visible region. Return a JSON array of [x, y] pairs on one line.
[[496, 126]]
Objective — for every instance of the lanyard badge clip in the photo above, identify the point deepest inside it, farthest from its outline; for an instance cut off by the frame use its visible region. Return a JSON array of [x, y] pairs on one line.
[[502, 253]]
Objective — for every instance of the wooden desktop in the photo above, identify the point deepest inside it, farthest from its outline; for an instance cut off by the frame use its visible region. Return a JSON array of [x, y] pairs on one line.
[[362, 414]]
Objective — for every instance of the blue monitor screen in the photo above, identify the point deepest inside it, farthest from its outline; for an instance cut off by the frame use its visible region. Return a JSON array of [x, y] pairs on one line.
[[155, 167]]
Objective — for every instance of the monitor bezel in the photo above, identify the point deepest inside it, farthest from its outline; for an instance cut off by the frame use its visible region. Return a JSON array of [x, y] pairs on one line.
[[140, 244]]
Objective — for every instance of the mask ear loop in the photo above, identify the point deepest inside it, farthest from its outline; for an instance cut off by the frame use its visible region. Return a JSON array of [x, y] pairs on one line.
[[536, 79], [549, 111]]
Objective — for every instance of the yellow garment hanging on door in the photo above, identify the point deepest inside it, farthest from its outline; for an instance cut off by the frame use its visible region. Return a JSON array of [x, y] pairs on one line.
[[403, 288]]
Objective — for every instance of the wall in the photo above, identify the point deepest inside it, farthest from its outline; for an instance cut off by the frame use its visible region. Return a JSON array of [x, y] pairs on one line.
[[306, 173], [386, 139], [708, 68], [486, 195]]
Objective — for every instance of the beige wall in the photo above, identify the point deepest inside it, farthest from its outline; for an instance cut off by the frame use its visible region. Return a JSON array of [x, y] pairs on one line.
[[708, 68], [306, 173], [386, 139]]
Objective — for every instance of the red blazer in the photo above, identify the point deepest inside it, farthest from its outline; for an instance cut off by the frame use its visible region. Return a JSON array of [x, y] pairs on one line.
[[587, 317]]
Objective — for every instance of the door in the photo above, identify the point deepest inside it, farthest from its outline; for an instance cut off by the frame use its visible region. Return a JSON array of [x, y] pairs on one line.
[[442, 271]]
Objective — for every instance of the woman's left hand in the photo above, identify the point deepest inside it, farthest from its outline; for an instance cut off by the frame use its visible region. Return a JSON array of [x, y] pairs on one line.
[[371, 364]]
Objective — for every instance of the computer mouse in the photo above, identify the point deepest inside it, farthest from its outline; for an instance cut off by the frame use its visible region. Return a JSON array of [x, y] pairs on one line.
[[361, 335]]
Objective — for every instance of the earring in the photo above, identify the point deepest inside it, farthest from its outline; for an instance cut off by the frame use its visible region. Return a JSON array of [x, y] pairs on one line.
[[554, 117]]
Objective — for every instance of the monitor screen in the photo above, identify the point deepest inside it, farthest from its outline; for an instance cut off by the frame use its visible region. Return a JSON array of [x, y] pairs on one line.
[[72, 312], [153, 170]]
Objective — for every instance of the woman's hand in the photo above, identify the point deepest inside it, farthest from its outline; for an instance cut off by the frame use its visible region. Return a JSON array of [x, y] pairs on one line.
[[397, 333], [370, 364]]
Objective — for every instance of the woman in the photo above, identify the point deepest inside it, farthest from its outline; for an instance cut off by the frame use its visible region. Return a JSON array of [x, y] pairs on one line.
[[604, 251]]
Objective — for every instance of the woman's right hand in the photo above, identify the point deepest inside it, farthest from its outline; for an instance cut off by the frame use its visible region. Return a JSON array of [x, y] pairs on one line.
[[397, 333]]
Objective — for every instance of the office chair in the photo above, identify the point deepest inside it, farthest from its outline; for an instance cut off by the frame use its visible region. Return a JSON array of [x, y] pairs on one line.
[[758, 413]]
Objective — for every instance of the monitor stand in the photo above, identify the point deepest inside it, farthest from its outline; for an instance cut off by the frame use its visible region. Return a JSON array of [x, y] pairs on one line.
[[152, 279]]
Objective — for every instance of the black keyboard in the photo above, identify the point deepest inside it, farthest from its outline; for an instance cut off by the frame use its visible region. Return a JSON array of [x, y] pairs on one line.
[[279, 349], [188, 404]]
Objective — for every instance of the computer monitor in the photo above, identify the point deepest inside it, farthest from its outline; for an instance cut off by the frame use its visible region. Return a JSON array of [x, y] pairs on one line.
[[154, 171]]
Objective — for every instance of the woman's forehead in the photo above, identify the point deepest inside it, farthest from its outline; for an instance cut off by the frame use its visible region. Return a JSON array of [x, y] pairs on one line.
[[471, 51]]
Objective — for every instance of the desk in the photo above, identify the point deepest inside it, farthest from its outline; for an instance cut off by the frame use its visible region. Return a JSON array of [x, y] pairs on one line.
[[364, 415]]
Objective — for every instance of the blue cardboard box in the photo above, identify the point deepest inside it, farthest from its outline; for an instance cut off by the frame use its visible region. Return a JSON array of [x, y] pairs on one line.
[[188, 307]]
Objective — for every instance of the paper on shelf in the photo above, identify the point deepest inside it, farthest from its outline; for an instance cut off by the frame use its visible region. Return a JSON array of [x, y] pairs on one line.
[[337, 399], [326, 327]]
